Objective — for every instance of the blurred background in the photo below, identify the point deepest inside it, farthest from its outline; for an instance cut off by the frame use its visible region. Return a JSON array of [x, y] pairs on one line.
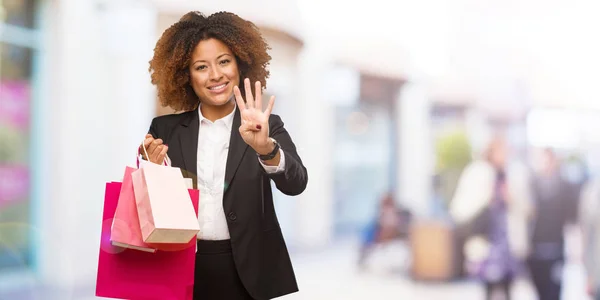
[[388, 103]]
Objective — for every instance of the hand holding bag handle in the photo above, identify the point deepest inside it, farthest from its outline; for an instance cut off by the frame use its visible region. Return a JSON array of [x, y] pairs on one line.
[[166, 160]]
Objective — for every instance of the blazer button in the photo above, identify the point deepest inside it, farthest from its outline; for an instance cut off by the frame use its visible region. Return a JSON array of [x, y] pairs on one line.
[[232, 216]]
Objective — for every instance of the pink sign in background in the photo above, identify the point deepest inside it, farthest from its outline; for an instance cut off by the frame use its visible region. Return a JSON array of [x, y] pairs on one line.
[[14, 112], [14, 184], [14, 103]]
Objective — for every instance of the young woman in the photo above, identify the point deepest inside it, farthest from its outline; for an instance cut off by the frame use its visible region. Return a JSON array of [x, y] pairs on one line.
[[231, 148]]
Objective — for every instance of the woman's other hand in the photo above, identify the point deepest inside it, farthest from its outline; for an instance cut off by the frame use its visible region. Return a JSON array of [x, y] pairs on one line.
[[255, 122], [155, 149]]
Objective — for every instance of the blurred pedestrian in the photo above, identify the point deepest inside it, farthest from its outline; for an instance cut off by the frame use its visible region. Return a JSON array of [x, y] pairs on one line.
[[491, 204], [589, 216], [555, 203]]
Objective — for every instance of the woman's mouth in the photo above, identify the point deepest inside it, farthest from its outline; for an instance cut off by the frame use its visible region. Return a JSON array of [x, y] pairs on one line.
[[217, 89]]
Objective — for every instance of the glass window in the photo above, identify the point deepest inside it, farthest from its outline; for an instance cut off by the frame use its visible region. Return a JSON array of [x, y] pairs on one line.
[[15, 62], [17, 12], [362, 162], [15, 99]]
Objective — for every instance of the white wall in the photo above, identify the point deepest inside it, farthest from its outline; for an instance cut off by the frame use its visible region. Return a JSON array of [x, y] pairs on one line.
[[416, 161], [98, 109], [272, 13], [283, 83], [314, 135]]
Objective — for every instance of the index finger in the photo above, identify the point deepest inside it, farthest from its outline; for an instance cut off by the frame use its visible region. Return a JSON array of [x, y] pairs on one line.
[[238, 97], [249, 97], [148, 140], [143, 149]]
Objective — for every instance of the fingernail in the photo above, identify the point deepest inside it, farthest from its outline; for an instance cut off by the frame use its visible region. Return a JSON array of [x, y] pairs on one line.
[[258, 126]]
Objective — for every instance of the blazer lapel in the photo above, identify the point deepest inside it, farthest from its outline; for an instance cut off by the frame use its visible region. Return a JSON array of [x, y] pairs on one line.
[[188, 140], [237, 148]]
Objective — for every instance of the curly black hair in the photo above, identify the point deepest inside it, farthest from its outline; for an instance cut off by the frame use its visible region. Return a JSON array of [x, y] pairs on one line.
[[169, 66]]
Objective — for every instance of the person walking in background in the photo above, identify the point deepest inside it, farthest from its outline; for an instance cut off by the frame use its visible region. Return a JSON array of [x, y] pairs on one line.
[[232, 149], [589, 216], [555, 203], [491, 203]]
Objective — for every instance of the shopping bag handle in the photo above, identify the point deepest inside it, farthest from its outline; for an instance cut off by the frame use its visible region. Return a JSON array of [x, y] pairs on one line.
[[166, 161]]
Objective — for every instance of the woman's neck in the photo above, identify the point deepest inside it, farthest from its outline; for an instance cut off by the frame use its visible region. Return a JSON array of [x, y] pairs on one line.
[[214, 113]]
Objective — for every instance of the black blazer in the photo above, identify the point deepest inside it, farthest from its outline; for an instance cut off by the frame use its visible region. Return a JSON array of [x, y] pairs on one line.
[[259, 251]]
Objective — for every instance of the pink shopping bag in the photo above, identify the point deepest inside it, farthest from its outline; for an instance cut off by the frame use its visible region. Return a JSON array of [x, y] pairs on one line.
[[136, 275], [163, 204], [125, 230]]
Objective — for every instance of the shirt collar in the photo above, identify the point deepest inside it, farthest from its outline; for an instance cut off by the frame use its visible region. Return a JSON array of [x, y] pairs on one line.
[[227, 120]]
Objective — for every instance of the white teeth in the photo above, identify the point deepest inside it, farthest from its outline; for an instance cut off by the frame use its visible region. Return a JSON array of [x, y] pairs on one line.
[[218, 87]]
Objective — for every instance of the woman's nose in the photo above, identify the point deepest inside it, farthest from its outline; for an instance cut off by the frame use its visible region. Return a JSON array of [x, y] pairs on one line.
[[215, 74]]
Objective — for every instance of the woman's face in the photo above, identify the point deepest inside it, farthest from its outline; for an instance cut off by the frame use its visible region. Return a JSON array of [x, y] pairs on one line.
[[498, 153], [213, 72]]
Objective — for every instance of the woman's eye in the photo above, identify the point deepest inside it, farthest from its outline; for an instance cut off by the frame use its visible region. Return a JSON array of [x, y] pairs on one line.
[[199, 68], [225, 61]]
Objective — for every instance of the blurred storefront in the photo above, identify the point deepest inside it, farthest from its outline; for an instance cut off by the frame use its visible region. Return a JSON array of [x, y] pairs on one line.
[[19, 50], [365, 149]]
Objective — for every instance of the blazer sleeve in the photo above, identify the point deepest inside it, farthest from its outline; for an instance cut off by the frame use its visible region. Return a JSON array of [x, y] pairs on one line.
[[292, 181], [153, 130]]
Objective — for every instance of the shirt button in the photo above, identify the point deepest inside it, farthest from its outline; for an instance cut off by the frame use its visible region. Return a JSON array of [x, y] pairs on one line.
[[232, 216]]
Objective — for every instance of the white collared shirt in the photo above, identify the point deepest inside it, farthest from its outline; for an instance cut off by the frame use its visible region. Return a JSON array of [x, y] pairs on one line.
[[213, 147]]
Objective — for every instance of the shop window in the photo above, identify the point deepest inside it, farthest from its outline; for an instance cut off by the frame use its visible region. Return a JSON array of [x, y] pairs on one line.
[[16, 73], [18, 12]]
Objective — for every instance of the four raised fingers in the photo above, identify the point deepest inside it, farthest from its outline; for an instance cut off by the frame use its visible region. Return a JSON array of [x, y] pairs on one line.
[[252, 101]]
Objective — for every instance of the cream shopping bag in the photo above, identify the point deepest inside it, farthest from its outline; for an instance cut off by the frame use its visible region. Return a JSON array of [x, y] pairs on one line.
[[164, 206]]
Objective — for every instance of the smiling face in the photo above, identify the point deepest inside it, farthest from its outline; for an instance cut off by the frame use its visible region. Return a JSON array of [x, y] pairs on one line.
[[498, 152], [213, 73]]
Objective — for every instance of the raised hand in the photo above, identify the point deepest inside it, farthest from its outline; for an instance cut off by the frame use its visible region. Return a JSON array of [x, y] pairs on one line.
[[255, 122]]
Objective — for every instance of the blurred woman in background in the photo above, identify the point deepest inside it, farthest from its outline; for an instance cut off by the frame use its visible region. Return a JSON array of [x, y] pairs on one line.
[[490, 204]]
